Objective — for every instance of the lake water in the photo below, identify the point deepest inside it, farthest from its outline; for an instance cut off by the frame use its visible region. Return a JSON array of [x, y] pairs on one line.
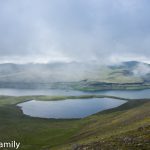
[[134, 94], [67, 109]]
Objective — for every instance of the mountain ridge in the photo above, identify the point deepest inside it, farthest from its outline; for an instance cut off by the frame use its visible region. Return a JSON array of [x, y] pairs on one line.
[[24, 75]]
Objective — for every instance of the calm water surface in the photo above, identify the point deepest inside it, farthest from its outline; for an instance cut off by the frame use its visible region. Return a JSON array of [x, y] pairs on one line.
[[77, 108], [125, 94]]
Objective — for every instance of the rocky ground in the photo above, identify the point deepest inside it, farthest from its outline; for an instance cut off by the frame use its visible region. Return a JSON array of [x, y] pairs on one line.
[[138, 139]]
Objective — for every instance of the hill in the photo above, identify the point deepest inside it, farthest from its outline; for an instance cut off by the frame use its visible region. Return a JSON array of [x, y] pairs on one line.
[[125, 127], [126, 75]]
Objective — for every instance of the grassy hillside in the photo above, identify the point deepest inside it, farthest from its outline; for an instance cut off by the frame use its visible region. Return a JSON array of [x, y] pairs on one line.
[[109, 127], [135, 139], [127, 75], [116, 121]]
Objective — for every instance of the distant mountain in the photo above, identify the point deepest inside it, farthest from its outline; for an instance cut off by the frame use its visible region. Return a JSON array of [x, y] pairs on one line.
[[131, 64], [43, 73], [125, 72]]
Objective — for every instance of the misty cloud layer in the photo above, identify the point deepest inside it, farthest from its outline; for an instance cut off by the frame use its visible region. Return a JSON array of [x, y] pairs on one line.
[[74, 30]]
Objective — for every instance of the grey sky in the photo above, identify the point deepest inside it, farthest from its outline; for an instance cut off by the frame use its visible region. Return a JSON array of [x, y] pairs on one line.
[[74, 30]]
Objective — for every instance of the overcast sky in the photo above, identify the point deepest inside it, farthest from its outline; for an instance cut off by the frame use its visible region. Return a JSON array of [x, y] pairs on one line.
[[74, 30]]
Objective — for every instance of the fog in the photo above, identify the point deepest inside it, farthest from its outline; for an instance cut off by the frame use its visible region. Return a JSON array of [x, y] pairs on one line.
[[52, 72], [141, 70], [106, 31]]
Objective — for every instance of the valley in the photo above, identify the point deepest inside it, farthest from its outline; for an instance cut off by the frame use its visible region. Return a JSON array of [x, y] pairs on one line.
[[47, 87]]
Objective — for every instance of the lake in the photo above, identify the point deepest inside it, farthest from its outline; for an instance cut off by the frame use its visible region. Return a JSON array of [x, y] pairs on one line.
[[67, 109], [77, 108], [134, 94]]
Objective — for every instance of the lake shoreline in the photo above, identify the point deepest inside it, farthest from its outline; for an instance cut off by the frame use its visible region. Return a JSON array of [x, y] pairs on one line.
[[63, 132], [68, 108]]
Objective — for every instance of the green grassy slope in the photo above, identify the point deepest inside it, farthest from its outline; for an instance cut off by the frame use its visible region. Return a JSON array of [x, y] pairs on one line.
[[104, 124], [137, 139], [45, 134]]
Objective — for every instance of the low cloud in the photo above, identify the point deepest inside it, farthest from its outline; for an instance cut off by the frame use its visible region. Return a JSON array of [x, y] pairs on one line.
[[106, 31], [141, 70]]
